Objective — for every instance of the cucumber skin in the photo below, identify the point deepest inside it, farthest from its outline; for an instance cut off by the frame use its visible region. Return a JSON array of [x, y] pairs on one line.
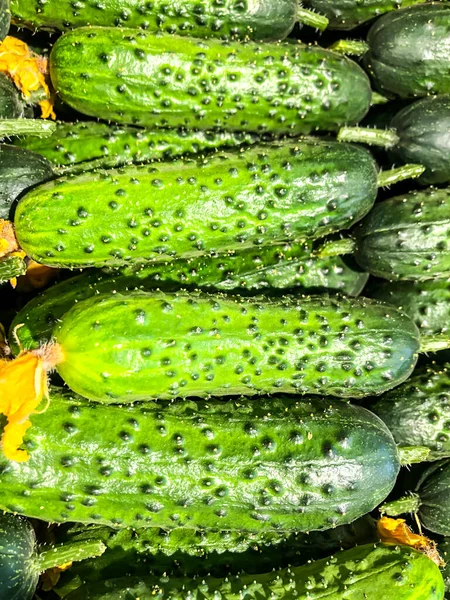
[[363, 572], [218, 345], [426, 302], [417, 413], [269, 269], [402, 44], [406, 237], [19, 571], [262, 20], [11, 105], [269, 88], [80, 143], [225, 202], [11, 267], [259, 466], [432, 490]]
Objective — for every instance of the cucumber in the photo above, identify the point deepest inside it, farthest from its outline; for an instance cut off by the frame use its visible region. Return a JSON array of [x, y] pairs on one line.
[[427, 302], [192, 344], [269, 269], [11, 104], [375, 572], [21, 562], [273, 465], [418, 411], [5, 19], [226, 202], [259, 20], [11, 266], [417, 134], [406, 237], [120, 75], [444, 551], [20, 169], [83, 146]]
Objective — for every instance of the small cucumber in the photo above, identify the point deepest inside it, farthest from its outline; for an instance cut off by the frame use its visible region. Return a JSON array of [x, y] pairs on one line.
[[268, 269], [83, 146], [273, 465], [375, 572], [11, 266], [129, 77], [418, 411], [11, 104]]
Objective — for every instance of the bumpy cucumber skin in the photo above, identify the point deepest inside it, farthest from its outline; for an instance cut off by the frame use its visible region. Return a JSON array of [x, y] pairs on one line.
[[11, 106], [136, 345], [408, 54], [11, 267], [5, 18], [375, 572], [112, 145], [423, 131], [444, 551], [427, 302], [274, 465], [406, 237], [417, 413], [129, 77], [433, 489], [19, 573], [226, 202], [258, 20]]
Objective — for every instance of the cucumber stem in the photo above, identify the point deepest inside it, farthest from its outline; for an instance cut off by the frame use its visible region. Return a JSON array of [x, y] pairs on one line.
[[386, 138], [34, 127], [352, 47], [387, 178], [336, 248], [67, 553], [434, 343], [378, 99], [312, 19], [410, 455], [407, 504]]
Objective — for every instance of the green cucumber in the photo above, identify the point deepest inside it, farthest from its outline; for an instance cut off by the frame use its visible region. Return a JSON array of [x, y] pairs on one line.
[[260, 20], [268, 269], [417, 134], [5, 19], [21, 562], [444, 551], [129, 77], [407, 237], [83, 146], [11, 266], [418, 411], [168, 345], [427, 302], [370, 571], [278, 464], [11, 104], [182, 209]]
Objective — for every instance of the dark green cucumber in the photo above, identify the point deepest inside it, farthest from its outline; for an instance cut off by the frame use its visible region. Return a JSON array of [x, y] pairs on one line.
[[418, 411], [192, 344], [269, 269], [370, 571], [20, 169], [273, 465], [11, 104], [82, 146], [407, 237], [10, 267], [21, 562], [444, 551], [258, 20], [268, 194], [129, 77], [427, 302], [5, 18], [409, 51]]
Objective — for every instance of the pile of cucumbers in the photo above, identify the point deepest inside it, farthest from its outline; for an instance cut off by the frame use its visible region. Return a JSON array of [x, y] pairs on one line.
[[225, 300]]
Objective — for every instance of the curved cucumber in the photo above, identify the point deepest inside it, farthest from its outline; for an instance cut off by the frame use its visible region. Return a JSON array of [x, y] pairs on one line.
[[418, 411], [119, 75], [363, 572], [83, 146], [268, 269], [269, 194], [272, 465], [406, 237]]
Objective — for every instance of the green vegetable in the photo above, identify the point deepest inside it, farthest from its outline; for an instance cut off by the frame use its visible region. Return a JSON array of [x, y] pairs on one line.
[[277, 464], [268, 269], [369, 571], [123, 347], [444, 550], [11, 104], [10, 267], [83, 146], [418, 411], [417, 134], [5, 18], [262, 20], [226, 202], [129, 77], [21, 562]]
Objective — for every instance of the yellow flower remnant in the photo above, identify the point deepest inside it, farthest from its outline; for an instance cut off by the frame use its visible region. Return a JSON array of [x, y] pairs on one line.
[[8, 241], [28, 71]]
